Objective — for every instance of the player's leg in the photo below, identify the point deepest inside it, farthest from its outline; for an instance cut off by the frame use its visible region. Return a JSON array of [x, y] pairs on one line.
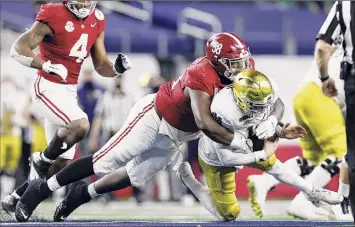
[[221, 184], [58, 104], [343, 211], [135, 173], [137, 135], [197, 188]]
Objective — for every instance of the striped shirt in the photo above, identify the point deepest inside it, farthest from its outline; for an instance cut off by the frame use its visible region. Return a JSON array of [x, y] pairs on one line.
[[340, 22], [114, 109]]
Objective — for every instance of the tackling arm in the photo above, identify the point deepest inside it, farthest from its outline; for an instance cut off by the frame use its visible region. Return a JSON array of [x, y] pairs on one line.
[[102, 64], [200, 105], [22, 49]]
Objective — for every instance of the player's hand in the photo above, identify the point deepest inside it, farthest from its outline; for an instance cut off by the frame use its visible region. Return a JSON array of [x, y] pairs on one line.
[[328, 87], [57, 69], [270, 146], [266, 129], [241, 143], [293, 131], [122, 63]]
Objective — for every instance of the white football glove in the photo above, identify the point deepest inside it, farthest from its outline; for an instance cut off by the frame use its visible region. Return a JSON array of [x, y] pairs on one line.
[[266, 129], [57, 69], [241, 144]]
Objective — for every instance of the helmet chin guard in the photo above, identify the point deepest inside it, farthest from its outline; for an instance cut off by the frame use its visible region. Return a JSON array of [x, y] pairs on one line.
[[81, 12]]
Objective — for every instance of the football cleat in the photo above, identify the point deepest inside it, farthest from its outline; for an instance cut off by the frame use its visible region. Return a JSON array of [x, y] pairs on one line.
[[257, 194], [77, 196], [321, 194], [302, 208], [32, 197], [39, 168], [9, 204]]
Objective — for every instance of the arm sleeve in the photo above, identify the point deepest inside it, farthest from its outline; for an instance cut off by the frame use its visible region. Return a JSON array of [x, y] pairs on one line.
[[331, 26], [230, 158]]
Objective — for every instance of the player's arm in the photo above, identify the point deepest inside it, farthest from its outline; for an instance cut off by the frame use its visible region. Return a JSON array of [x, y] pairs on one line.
[[326, 36], [201, 104], [237, 157], [22, 49], [103, 65]]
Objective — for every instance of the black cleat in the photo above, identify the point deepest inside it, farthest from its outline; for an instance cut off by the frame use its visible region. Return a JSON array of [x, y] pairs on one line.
[[32, 197], [77, 195], [39, 168], [345, 205], [9, 204]]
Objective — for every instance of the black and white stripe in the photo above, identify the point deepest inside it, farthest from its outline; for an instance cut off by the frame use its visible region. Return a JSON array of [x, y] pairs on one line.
[[341, 21]]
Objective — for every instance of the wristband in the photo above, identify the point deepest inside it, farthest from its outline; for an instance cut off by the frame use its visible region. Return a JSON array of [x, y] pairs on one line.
[[278, 130], [324, 78], [260, 156]]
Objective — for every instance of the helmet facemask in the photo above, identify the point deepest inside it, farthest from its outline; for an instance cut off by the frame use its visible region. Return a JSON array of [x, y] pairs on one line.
[[234, 66], [85, 8]]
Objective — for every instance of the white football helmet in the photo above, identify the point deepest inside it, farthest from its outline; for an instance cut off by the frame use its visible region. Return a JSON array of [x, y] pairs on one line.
[[81, 8]]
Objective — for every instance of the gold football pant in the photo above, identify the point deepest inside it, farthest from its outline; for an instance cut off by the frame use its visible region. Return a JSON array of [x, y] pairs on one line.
[[10, 152], [324, 122], [221, 183]]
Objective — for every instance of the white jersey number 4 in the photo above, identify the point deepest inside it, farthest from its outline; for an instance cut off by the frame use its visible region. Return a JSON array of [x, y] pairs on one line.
[[79, 49]]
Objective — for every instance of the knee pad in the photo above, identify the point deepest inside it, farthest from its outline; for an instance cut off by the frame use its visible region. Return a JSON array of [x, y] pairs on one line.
[[268, 164], [331, 164], [305, 166], [230, 212]]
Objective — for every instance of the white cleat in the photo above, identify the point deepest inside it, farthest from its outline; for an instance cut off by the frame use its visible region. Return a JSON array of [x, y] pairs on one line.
[[321, 194], [342, 211], [302, 208], [257, 194]]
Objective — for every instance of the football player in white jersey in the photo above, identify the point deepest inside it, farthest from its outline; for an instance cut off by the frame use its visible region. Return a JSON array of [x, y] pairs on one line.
[[323, 147], [246, 108]]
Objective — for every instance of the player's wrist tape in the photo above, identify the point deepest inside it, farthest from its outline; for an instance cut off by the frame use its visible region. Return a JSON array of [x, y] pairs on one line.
[[260, 156], [278, 130], [324, 78]]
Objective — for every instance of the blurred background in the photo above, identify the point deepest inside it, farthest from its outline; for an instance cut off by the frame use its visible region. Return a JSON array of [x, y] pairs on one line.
[[161, 39]]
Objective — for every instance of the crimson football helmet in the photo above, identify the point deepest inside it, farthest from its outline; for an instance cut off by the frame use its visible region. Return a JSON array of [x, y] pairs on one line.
[[80, 8], [228, 54]]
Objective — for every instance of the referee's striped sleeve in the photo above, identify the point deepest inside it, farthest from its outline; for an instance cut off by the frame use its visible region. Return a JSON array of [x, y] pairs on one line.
[[331, 27]]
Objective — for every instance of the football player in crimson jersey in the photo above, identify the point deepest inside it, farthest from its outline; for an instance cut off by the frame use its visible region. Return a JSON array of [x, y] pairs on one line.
[[157, 124], [66, 33]]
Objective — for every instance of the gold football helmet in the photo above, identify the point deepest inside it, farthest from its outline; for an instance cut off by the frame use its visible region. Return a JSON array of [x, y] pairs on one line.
[[253, 91]]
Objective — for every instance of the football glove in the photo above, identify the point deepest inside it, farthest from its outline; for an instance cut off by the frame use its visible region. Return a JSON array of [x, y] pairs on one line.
[[266, 129], [122, 64], [57, 69], [242, 144]]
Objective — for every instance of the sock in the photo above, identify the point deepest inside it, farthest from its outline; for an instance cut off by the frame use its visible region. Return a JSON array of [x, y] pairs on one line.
[[287, 176], [53, 184], [20, 190], [270, 181], [343, 189], [319, 177], [77, 170], [202, 193], [91, 190], [56, 147]]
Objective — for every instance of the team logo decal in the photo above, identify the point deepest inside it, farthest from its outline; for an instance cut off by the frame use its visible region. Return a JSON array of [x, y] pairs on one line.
[[99, 15], [69, 27]]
